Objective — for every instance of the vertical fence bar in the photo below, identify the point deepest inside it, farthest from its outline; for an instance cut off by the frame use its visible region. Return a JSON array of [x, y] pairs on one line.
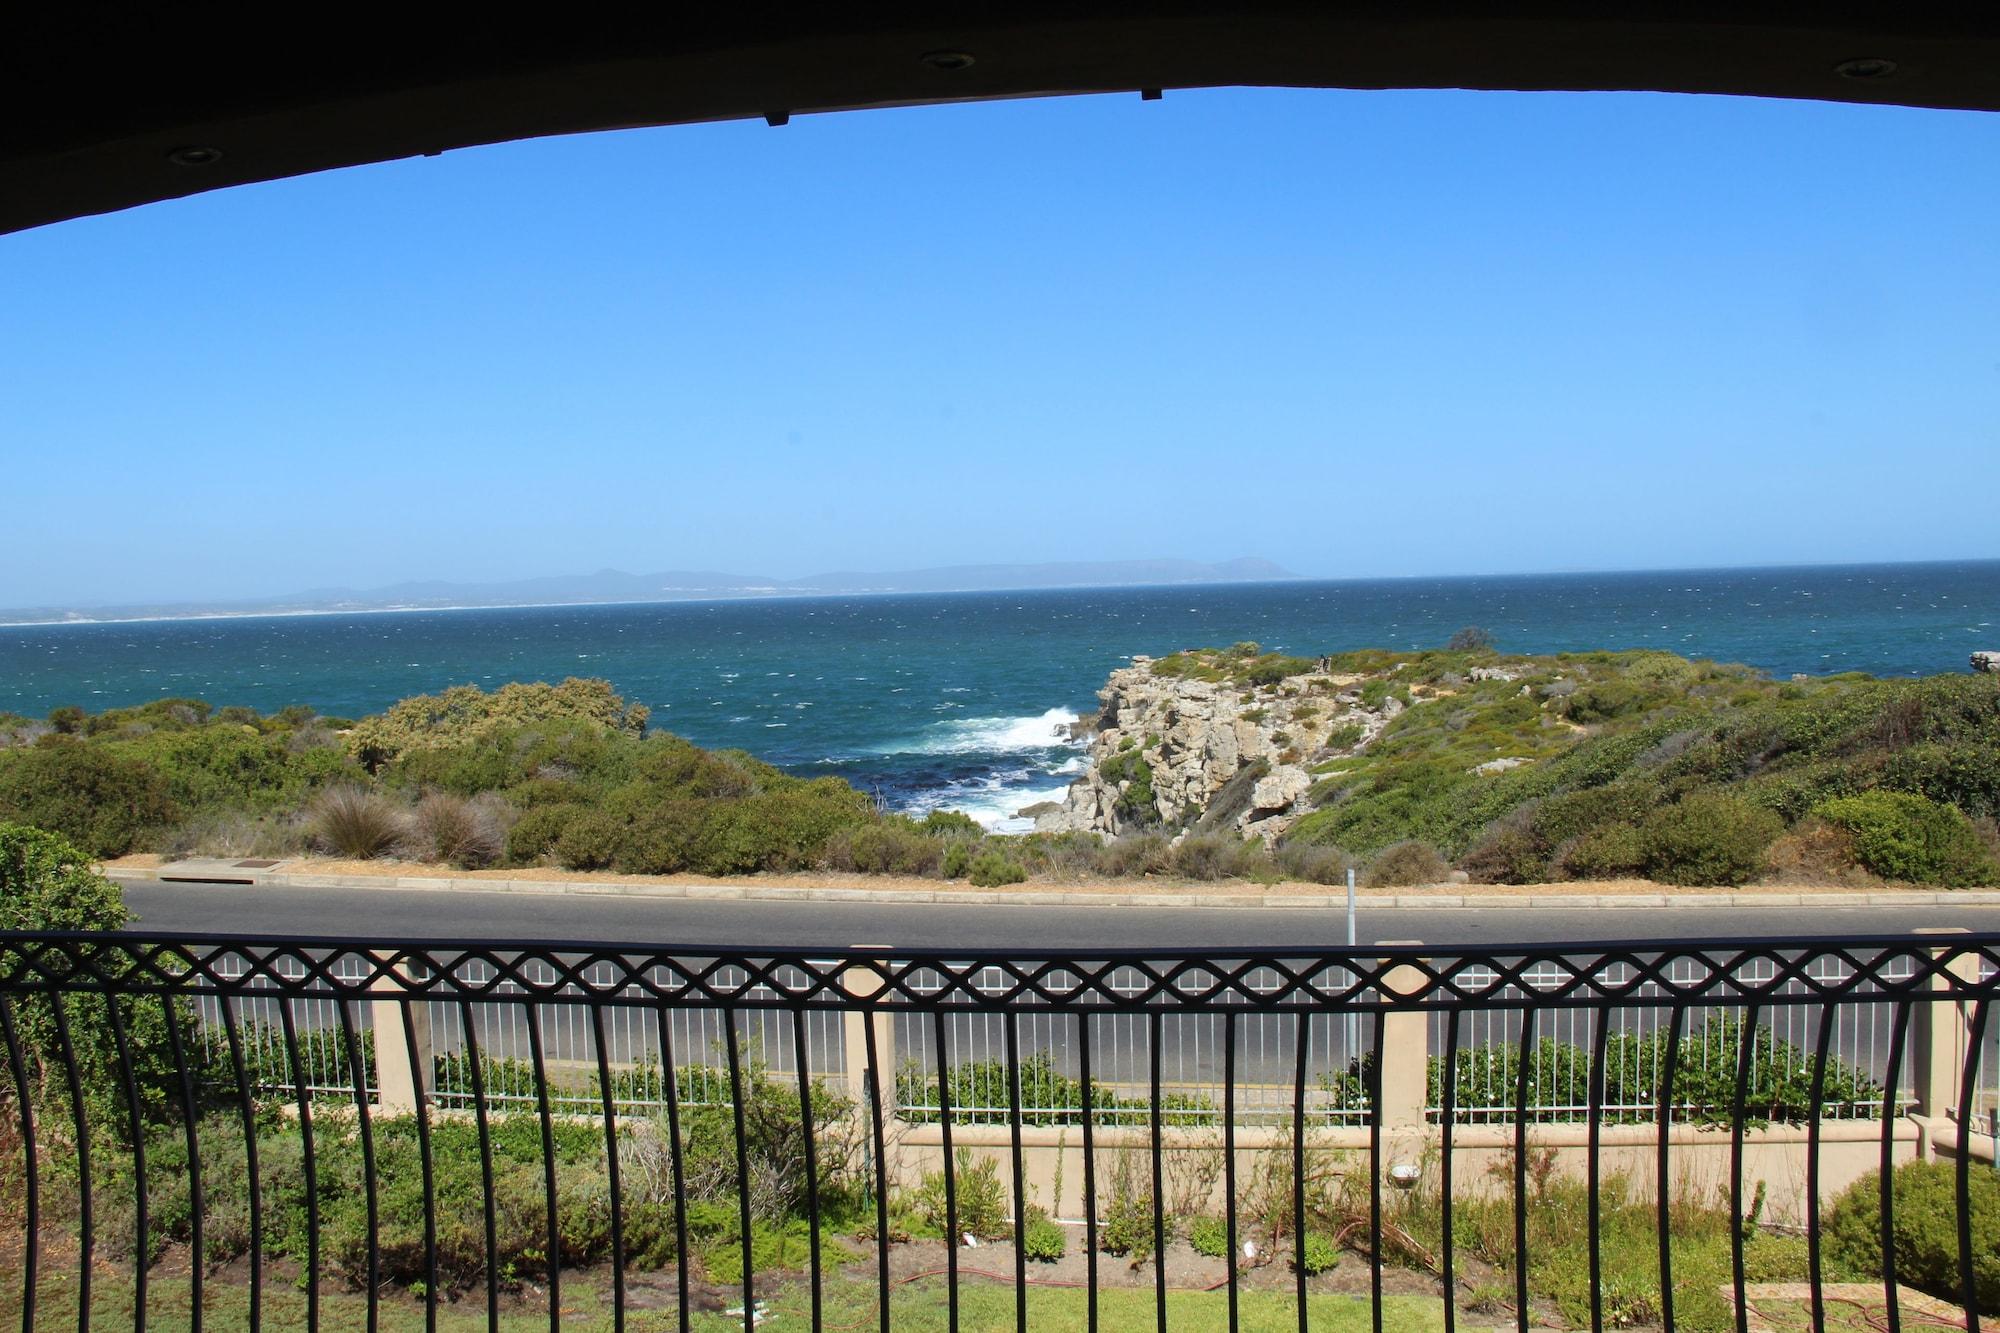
[[1822, 1047], [812, 1159], [85, 1230], [1521, 1085], [735, 1056], [247, 1108], [1019, 1174], [31, 1241], [874, 1094], [1968, 1077], [537, 1058], [475, 1064], [350, 1045], [1089, 1175], [420, 1096], [1302, 1044], [1898, 1031], [1448, 1103], [609, 1109], [197, 1198], [141, 1251], [951, 1235], [1600, 1039], [1375, 1062], [676, 1162], [1229, 1163], [1746, 1051], [1663, 1182], [309, 1164], [1153, 1054]]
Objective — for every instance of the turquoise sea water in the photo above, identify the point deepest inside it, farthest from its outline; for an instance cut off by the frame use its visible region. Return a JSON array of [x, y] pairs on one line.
[[956, 700]]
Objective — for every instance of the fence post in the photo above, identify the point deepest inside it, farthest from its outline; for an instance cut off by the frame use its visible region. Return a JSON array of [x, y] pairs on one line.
[[1939, 1031], [863, 984], [1405, 1081], [395, 1094]]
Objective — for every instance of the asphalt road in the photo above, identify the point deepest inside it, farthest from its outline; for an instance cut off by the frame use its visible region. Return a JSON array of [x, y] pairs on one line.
[[459, 914]]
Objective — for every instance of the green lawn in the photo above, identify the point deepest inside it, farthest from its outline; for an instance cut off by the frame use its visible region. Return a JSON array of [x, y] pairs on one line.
[[850, 1305]]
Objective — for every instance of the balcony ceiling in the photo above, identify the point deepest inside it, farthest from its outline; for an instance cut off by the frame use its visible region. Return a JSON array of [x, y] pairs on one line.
[[110, 106]]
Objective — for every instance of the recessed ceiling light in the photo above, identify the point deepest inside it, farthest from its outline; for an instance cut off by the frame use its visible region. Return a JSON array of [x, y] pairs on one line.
[[195, 156], [947, 60], [1865, 67]]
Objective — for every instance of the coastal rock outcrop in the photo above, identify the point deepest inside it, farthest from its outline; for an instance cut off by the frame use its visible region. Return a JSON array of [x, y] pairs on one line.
[[1213, 741], [1988, 662]]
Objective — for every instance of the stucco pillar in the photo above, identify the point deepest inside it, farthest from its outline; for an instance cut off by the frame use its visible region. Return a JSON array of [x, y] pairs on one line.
[[396, 1093], [1939, 1031]]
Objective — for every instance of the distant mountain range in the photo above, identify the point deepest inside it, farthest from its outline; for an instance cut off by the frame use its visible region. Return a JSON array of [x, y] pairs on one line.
[[611, 585]]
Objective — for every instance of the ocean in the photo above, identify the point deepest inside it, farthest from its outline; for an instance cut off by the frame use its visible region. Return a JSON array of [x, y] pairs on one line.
[[959, 700]]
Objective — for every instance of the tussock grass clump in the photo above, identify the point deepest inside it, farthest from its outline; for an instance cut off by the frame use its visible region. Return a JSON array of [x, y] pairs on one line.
[[470, 834], [357, 823]]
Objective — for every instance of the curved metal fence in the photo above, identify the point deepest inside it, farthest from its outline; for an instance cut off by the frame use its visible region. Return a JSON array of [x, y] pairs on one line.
[[380, 1117]]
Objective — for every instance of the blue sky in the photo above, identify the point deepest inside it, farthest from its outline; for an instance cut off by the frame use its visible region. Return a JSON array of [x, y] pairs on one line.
[[1356, 333]]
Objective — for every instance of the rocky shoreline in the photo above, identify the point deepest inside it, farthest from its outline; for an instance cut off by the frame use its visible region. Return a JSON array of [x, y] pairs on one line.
[[1185, 742]]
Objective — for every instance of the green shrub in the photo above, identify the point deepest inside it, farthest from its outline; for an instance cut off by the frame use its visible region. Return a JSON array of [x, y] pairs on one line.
[[46, 883], [1322, 1253], [589, 841], [1924, 1198], [1315, 864], [894, 846], [102, 803], [990, 869], [354, 822], [1042, 1239], [981, 1202], [535, 833], [951, 823], [1708, 838], [1213, 856], [958, 859], [1899, 835], [1404, 864], [1209, 1236], [1609, 851]]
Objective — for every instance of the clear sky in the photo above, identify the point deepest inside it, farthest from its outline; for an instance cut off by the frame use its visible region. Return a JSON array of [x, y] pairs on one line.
[[1355, 333]]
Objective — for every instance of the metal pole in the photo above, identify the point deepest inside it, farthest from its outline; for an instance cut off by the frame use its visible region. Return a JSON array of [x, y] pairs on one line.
[[1353, 1024]]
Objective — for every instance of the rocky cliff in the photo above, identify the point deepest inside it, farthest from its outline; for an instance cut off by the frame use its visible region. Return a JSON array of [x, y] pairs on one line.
[[1209, 741]]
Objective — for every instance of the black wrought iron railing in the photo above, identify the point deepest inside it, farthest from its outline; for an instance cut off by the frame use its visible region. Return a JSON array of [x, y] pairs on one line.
[[294, 1132]]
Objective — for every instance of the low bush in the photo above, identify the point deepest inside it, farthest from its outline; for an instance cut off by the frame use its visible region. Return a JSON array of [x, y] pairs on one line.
[[354, 822], [1213, 856], [990, 869], [590, 840], [1708, 838], [1209, 1236], [1321, 1253], [1924, 1196], [981, 1202], [895, 846], [1609, 851], [1899, 835], [535, 833], [1405, 864], [1042, 1240], [1323, 864], [101, 802]]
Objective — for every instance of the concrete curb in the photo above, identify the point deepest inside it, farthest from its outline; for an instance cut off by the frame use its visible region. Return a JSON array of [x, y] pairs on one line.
[[222, 875]]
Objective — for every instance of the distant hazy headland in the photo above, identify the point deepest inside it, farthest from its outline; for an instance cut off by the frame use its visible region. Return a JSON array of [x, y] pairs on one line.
[[611, 585]]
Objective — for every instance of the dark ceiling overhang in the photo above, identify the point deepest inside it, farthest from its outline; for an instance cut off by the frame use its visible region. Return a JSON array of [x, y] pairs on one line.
[[109, 107]]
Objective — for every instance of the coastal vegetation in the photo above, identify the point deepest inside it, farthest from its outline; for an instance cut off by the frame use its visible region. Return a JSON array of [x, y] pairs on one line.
[[1415, 768]]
